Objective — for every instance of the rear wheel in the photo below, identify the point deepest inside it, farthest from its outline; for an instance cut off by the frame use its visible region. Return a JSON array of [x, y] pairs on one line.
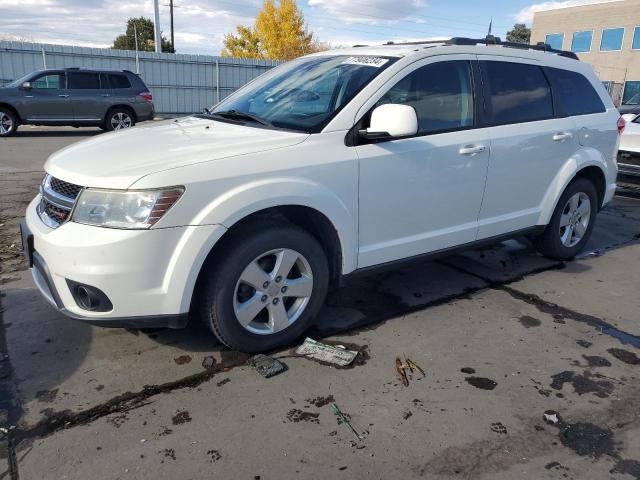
[[118, 118], [266, 288], [572, 222], [8, 122]]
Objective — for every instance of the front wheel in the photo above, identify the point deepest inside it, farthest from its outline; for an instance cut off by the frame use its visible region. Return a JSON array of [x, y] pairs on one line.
[[8, 122], [572, 222], [265, 289]]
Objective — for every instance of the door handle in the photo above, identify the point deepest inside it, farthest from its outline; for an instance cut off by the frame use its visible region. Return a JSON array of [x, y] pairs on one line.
[[472, 149], [63, 96], [562, 136]]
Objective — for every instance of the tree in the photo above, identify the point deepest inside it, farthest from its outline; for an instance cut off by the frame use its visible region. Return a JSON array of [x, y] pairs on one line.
[[146, 39], [520, 34], [279, 33]]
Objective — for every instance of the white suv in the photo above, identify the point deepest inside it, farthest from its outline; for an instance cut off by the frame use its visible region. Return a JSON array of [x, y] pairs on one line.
[[335, 162]]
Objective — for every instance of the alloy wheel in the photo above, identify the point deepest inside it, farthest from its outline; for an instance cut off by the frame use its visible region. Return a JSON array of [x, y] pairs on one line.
[[575, 219], [273, 291], [120, 120], [6, 123]]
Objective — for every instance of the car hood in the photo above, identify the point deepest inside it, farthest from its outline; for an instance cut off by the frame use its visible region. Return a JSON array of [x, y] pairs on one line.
[[630, 139], [118, 159]]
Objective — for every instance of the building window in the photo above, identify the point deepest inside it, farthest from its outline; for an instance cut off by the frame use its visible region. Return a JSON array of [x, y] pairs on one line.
[[611, 39], [636, 39], [555, 40], [581, 42], [631, 89]]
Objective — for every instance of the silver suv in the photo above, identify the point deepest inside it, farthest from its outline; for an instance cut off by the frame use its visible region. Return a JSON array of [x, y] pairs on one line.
[[111, 100]]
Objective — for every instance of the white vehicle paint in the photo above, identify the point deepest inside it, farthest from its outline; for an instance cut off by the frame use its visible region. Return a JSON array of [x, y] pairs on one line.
[[383, 199]]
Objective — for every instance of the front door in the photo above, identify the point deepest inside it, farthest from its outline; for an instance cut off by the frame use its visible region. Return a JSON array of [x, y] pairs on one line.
[[422, 194], [47, 100]]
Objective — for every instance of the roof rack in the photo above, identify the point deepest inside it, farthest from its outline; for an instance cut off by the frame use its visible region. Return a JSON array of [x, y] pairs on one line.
[[491, 40]]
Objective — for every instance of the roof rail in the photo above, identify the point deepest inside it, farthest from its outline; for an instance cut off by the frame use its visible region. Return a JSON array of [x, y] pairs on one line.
[[491, 40]]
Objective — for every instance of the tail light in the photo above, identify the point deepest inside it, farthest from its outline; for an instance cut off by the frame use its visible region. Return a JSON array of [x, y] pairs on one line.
[[621, 124], [147, 96]]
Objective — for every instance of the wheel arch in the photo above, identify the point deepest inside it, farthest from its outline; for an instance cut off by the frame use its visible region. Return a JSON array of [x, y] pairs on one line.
[[129, 108], [13, 109], [587, 164]]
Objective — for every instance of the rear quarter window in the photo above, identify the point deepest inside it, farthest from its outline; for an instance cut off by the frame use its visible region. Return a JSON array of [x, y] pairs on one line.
[[517, 92], [119, 81], [574, 94]]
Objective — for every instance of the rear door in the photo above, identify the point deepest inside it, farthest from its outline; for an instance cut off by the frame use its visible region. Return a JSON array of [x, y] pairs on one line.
[[529, 144], [86, 96], [47, 100]]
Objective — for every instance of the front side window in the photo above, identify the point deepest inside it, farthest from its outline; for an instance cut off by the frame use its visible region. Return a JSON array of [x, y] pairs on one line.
[[636, 39], [441, 94], [574, 93], [611, 39], [304, 95], [51, 81], [82, 80], [555, 40], [631, 94], [581, 42], [518, 92]]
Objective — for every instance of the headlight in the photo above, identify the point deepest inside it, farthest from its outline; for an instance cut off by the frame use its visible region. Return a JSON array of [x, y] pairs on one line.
[[123, 208]]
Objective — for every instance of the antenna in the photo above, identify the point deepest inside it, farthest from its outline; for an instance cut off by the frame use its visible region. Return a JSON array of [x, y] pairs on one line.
[[490, 25]]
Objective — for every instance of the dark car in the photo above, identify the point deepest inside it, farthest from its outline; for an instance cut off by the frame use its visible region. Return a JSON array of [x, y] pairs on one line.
[[631, 106], [111, 100]]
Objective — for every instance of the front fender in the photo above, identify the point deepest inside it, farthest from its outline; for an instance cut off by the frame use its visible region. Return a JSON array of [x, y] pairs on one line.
[[243, 200], [583, 158]]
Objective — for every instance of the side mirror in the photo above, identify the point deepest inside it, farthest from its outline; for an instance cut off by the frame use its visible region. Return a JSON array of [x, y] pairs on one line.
[[391, 120], [26, 86]]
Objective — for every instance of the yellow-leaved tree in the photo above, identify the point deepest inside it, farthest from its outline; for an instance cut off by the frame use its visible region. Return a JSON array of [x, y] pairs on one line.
[[278, 34]]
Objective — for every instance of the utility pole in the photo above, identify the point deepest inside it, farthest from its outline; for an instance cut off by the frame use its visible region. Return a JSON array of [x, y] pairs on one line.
[[135, 35], [156, 27], [173, 45]]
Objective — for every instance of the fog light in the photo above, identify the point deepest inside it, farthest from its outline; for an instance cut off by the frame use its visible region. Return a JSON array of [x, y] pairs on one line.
[[89, 298]]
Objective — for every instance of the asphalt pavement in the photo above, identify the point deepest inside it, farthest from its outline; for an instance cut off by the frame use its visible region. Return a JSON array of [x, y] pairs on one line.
[[502, 334]]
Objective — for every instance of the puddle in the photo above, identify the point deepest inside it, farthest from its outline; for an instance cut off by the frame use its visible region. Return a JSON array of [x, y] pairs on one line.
[[529, 322], [596, 361], [585, 383], [625, 356], [482, 383]]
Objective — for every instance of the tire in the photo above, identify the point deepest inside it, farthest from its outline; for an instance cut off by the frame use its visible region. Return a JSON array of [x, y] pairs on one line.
[[243, 284], [118, 118], [561, 241], [8, 122]]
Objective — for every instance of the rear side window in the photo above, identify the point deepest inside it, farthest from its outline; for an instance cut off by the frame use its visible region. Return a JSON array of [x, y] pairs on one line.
[[517, 92], [82, 80], [440, 93], [574, 94], [119, 81]]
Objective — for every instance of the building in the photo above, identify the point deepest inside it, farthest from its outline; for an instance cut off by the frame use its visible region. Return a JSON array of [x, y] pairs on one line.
[[606, 35]]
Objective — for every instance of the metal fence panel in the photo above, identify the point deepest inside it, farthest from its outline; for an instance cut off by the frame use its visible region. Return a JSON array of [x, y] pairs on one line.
[[180, 83]]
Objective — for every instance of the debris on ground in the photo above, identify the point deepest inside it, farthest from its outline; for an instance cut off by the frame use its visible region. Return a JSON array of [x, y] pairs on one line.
[[407, 369], [345, 419], [208, 362], [266, 366], [326, 353], [551, 417]]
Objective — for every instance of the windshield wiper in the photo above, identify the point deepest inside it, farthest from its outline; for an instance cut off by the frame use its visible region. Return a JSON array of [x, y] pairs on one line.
[[235, 114]]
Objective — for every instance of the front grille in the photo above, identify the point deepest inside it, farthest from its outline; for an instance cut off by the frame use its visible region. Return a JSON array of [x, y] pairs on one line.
[[57, 214], [65, 188], [58, 199]]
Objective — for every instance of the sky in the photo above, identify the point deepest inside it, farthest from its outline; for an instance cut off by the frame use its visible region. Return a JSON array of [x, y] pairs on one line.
[[200, 25]]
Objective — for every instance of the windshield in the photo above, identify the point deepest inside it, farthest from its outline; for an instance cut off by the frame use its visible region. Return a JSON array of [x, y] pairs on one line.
[[304, 95], [18, 82], [635, 100]]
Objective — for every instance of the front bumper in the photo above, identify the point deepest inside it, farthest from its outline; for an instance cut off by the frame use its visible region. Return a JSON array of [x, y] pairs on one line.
[[147, 275]]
